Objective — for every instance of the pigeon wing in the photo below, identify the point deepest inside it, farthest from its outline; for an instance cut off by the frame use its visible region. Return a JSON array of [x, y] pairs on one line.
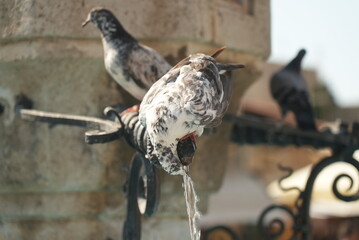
[[303, 111], [223, 105], [156, 90], [227, 92], [205, 93], [146, 65]]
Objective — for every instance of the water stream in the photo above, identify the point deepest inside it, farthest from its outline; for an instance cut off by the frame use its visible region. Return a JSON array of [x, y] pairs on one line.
[[191, 203]]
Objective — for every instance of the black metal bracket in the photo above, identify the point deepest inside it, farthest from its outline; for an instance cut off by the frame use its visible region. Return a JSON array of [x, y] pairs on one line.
[[143, 191], [143, 196], [143, 184], [254, 130], [102, 131]]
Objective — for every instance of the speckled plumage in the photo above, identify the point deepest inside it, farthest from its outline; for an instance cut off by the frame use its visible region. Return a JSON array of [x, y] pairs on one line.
[[190, 97], [133, 66]]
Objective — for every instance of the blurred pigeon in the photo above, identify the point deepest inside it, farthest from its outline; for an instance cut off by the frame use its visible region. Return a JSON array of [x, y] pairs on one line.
[[193, 95], [133, 66], [289, 89]]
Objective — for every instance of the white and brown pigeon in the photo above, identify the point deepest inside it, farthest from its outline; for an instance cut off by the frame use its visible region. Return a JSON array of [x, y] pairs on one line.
[[133, 66], [192, 96]]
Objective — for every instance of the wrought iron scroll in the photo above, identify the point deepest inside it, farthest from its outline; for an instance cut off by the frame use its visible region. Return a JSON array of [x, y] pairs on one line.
[[255, 130], [301, 227], [141, 187], [229, 233]]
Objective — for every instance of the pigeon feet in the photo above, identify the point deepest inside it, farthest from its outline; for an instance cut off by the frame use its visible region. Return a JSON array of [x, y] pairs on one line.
[[134, 108]]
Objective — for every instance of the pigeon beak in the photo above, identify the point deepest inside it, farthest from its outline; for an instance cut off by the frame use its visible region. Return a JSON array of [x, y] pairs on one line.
[[186, 160], [186, 148], [86, 21]]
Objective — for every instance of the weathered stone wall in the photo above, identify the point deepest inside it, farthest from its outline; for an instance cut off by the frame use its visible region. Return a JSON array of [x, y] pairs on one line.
[[52, 184]]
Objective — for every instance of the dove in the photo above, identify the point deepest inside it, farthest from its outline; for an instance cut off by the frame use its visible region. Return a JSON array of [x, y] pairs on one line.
[[192, 96], [289, 89], [135, 67]]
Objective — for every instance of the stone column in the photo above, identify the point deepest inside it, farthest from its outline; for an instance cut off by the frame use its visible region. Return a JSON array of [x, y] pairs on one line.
[[55, 186]]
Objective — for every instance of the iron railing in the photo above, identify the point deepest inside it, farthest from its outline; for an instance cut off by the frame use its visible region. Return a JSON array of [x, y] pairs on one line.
[[143, 185], [255, 130]]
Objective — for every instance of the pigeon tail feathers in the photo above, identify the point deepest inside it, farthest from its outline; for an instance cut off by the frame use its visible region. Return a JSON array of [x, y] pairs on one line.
[[218, 51]]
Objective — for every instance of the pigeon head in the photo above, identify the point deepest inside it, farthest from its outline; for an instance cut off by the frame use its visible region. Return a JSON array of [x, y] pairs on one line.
[[174, 156], [301, 53], [108, 24], [98, 16], [186, 147], [295, 64]]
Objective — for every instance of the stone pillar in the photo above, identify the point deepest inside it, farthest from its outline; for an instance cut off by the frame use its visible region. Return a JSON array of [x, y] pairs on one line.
[[55, 186]]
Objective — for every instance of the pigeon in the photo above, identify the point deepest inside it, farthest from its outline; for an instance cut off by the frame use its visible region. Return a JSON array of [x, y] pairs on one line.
[[289, 89], [133, 66], [192, 96]]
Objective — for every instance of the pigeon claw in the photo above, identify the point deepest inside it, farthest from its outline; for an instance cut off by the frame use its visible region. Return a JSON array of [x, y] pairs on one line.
[[134, 108]]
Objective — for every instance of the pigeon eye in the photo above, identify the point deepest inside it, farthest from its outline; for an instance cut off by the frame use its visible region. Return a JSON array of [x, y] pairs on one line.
[[101, 17]]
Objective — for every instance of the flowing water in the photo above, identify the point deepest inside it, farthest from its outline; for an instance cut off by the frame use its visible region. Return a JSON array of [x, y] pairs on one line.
[[191, 202]]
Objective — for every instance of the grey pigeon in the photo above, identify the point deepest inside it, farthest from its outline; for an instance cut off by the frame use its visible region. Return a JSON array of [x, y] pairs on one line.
[[133, 66], [289, 89], [193, 95]]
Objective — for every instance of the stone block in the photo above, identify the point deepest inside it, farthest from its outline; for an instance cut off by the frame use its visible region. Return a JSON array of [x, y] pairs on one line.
[[59, 229], [38, 156], [91, 229], [52, 204], [217, 22], [50, 172], [55, 186]]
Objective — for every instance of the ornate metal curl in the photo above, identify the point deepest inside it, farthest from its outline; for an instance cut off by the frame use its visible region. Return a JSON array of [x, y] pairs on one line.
[[301, 213], [140, 187], [229, 232], [276, 226], [347, 157], [254, 130]]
